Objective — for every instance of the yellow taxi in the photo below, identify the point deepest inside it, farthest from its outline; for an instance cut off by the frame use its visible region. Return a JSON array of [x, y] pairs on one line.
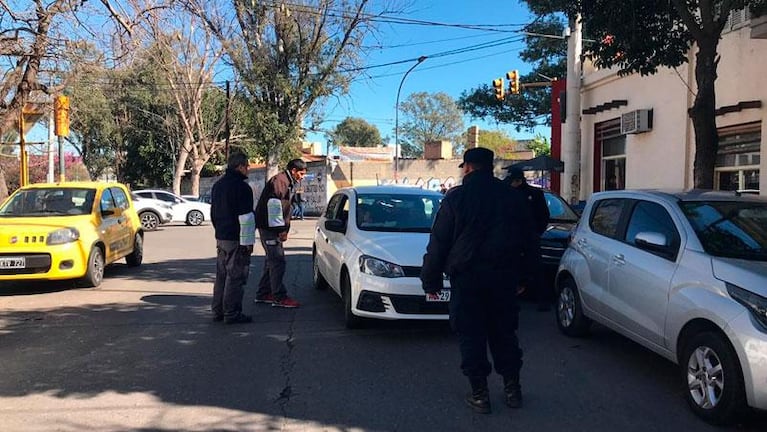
[[69, 230]]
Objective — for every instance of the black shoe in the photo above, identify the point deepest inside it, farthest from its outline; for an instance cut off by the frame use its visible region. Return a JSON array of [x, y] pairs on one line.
[[513, 394], [218, 318], [238, 319], [479, 401]]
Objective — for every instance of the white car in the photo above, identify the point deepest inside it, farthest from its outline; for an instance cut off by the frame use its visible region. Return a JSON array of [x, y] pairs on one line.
[[369, 246], [152, 212], [190, 212], [685, 275]]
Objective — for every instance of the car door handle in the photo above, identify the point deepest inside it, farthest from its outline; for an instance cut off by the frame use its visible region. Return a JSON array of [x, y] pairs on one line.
[[619, 259]]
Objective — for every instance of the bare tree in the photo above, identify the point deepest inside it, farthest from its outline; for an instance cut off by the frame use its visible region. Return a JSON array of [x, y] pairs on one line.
[[288, 57]]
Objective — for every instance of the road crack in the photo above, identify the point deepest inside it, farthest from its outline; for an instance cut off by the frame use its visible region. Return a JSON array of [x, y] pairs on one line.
[[287, 362]]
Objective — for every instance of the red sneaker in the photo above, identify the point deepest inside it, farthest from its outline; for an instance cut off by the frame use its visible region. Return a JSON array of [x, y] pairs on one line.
[[269, 299], [287, 302]]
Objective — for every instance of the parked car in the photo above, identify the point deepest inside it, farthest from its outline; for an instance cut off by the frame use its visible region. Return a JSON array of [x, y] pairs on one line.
[[68, 231], [685, 275], [152, 212], [190, 212], [557, 236], [369, 246]]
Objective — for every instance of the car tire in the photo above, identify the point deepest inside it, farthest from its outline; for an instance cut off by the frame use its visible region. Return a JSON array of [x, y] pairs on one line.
[[194, 218], [715, 389], [95, 272], [135, 258], [569, 312], [318, 281], [149, 220], [351, 321]]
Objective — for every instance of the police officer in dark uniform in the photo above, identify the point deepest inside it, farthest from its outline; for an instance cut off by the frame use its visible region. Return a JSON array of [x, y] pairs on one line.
[[477, 239], [534, 197]]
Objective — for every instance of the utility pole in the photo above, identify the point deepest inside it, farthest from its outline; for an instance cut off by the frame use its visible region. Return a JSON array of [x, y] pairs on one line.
[[396, 119], [51, 150], [24, 169], [571, 144], [226, 126]]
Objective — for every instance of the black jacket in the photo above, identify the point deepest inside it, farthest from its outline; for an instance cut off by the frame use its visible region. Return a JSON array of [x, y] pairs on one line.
[[537, 201], [481, 225], [230, 198]]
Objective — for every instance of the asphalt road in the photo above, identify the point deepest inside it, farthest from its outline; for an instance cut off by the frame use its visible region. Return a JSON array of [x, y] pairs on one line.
[[140, 353]]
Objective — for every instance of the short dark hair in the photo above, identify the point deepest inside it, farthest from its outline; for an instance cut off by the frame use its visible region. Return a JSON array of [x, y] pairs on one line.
[[236, 160], [298, 164]]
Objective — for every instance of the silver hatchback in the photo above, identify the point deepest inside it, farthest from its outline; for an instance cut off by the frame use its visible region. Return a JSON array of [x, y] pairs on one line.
[[685, 275]]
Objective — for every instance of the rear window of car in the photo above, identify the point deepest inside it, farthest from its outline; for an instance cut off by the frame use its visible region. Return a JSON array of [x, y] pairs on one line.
[[606, 217]]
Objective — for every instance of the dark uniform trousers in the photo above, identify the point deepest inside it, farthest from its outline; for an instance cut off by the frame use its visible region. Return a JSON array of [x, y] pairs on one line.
[[484, 312], [232, 269]]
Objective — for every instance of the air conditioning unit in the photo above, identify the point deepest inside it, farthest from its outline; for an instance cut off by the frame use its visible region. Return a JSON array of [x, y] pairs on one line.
[[635, 122]]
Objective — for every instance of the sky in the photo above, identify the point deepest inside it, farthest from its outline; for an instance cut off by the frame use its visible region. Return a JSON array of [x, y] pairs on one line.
[[374, 98]]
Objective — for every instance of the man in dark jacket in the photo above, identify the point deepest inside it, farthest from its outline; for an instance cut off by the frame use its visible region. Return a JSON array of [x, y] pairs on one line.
[[534, 197], [231, 212], [273, 222], [477, 238]]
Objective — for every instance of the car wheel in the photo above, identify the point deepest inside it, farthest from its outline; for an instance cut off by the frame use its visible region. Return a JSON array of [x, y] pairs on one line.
[[318, 281], [135, 258], [95, 273], [350, 320], [570, 318], [714, 380], [149, 221], [194, 218]]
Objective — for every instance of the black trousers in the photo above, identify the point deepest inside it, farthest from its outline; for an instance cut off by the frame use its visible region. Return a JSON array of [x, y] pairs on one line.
[[232, 270], [484, 313]]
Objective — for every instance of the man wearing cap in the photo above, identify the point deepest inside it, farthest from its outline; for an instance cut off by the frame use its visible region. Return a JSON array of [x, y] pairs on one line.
[[535, 199], [477, 240]]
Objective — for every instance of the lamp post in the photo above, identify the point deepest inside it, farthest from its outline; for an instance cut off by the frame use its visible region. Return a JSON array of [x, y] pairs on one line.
[[396, 119]]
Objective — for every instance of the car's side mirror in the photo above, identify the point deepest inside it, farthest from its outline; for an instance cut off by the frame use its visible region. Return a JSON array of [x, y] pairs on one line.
[[335, 225], [652, 241]]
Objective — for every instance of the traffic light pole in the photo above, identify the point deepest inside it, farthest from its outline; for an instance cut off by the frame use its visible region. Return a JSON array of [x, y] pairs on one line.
[[24, 169], [62, 176], [396, 119]]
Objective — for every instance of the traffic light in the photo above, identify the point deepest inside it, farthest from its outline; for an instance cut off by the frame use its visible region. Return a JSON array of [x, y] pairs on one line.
[[61, 115], [513, 77], [498, 86]]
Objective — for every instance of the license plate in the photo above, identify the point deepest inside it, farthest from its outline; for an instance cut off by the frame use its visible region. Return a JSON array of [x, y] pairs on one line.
[[12, 263], [441, 296]]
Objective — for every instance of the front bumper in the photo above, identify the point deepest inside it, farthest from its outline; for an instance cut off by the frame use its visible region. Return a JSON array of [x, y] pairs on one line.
[[395, 298], [750, 343], [67, 261]]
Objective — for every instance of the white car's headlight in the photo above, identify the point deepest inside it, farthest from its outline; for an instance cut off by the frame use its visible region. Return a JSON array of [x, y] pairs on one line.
[[62, 236], [381, 268], [755, 303]]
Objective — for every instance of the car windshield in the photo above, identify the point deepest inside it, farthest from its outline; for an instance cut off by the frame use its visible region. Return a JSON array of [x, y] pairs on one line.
[[49, 202], [734, 229], [559, 211], [397, 212]]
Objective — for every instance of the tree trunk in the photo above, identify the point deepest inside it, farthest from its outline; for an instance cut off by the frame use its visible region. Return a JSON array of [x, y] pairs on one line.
[[703, 114], [183, 155], [3, 185], [195, 174]]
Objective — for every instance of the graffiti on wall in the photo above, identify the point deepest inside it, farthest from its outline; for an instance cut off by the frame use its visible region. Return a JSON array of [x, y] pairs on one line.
[[315, 191], [430, 183]]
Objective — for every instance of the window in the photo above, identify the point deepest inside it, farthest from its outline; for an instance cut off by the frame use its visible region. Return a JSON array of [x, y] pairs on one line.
[[107, 202], [606, 217], [738, 157], [121, 200], [145, 195], [397, 212], [651, 217], [330, 211], [732, 229], [609, 156], [165, 197]]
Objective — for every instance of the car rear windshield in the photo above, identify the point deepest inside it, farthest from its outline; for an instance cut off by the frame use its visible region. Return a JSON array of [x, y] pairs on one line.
[[397, 213], [733, 229], [49, 202], [559, 211]]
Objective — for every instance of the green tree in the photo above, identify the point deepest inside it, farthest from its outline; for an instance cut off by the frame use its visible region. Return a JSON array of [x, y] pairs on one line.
[[540, 146], [498, 141], [428, 117], [288, 58], [532, 106], [355, 132], [642, 36]]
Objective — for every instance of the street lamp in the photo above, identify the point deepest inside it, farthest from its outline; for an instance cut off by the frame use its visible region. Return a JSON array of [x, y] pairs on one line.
[[396, 119]]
